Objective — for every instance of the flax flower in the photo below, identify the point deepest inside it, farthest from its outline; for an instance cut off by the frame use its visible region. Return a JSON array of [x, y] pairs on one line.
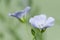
[[20, 14], [41, 21]]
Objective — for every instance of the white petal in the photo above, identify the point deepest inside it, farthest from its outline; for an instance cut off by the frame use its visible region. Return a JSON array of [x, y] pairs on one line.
[[34, 22], [42, 20], [38, 21], [37, 18], [42, 17], [50, 22]]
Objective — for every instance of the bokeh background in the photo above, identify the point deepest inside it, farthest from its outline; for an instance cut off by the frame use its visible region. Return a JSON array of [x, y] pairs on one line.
[[13, 29]]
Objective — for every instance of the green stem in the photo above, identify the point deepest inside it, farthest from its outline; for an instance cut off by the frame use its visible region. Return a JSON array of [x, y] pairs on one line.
[[39, 35]]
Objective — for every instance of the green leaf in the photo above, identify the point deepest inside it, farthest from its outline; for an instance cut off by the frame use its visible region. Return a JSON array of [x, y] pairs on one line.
[[33, 32]]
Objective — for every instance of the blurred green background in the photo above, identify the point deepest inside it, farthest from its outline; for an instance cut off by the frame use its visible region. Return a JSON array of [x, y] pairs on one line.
[[12, 29]]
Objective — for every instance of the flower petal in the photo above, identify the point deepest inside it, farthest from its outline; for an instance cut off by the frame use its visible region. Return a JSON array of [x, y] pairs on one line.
[[20, 14], [50, 22], [42, 20], [27, 9], [42, 17], [38, 21], [17, 14], [34, 22]]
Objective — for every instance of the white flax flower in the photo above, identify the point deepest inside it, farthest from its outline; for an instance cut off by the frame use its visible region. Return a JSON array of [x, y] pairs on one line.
[[20, 14], [41, 22]]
